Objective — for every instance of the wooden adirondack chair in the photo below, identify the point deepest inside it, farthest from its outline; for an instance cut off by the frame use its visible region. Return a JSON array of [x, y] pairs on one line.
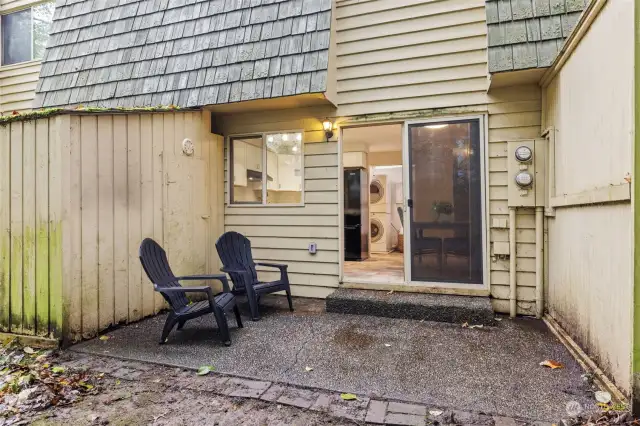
[[234, 250], [155, 264]]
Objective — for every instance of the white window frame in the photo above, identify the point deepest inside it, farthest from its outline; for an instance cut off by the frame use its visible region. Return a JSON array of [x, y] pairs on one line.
[[9, 12], [263, 203]]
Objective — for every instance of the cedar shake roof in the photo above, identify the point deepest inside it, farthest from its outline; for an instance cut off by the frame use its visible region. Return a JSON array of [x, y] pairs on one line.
[[527, 34], [125, 53]]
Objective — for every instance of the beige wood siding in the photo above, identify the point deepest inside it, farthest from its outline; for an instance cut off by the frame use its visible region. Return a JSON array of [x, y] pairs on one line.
[[18, 82], [399, 55], [283, 234], [78, 193], [514, 113], [589, 104]]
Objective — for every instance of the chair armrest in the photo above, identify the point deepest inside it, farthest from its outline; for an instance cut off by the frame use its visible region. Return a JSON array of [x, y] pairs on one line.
[[219, 277], [199, 289], [234, 271], [280, 266]]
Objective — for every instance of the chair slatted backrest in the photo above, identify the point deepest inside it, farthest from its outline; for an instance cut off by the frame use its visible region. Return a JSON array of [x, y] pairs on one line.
[[234, 250], [156, 265]]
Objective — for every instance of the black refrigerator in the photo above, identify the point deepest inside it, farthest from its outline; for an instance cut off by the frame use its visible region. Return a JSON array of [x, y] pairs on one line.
[[356, 214]]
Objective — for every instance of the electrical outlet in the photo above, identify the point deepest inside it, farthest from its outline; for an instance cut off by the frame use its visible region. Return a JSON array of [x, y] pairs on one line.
[[500, 248], [313, 248]]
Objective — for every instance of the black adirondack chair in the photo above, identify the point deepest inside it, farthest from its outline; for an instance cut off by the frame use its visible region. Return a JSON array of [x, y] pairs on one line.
[[155, 264], [234, 250]]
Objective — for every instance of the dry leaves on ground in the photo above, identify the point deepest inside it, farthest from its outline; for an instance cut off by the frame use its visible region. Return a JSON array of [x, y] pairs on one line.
[[28, 382], [551, 364]]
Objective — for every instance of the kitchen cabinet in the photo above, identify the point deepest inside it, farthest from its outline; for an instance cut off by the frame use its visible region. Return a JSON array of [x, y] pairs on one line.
[[253, 157], [272, 170], [289, 173], [239, 163]]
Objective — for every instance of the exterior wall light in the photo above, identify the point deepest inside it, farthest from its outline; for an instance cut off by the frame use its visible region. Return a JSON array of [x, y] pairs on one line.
[[327, 125]]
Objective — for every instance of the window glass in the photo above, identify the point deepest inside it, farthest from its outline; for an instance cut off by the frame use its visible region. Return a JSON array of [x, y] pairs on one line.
[[16, 37], [284, 168], [25, 33], [247, 167], [42, 17]]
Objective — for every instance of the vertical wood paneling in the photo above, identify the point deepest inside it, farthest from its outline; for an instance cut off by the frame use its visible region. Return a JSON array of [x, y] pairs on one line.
[[105, 221], [199, 195], [89, 217], [590, 104], [5, 227], [120, 219], [158, 198], [147, 210], [16, 227], [60, 271], [73, 220], [78, 193], [135, 232], [42, 227], [28, 228]]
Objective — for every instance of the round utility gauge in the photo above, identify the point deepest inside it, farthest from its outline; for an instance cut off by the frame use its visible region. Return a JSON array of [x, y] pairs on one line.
[[523, 154], [187, 147], [524, 179]]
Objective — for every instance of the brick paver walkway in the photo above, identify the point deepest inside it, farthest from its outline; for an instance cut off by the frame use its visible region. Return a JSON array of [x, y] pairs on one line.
[[363, 410]]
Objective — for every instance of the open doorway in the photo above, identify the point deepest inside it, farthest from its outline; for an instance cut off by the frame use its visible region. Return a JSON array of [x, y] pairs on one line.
[[373, 204]]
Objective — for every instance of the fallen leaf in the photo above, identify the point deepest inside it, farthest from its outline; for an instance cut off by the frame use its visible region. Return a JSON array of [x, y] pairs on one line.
[[156, 381], [105, 337], [435, 413], [204, 370], [498, 319], [118, 382], [387, 345], [57, 370], [390, 292], [348, 396], [604, 397], [28, 350], [476, 326], [465, 324], [551, 364], [307, 369]]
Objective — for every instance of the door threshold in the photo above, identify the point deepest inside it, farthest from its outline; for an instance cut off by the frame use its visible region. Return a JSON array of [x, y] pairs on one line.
[[452, 289]]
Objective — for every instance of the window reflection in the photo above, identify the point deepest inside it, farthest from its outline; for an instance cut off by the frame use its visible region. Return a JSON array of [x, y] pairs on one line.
[[284, 168]]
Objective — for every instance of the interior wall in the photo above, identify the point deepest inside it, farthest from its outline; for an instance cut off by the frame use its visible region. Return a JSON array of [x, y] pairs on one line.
[[590, 105]]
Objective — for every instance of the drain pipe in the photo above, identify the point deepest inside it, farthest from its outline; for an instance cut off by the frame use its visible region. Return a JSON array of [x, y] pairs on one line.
[[512, 262], [539, 261]]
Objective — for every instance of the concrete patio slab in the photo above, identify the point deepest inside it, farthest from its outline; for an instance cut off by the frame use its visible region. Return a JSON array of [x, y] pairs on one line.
[[493, 370]]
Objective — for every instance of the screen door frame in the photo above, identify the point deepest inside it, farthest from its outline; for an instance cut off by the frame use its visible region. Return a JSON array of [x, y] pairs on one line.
[[484, 190]]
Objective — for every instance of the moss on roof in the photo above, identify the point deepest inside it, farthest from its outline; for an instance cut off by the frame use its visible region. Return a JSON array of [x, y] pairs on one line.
[[49, 112]]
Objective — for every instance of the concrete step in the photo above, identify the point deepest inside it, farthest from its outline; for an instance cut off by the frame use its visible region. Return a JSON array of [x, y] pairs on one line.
[[415, 306]]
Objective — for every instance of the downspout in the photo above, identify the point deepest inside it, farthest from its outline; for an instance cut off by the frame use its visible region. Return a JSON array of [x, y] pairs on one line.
[[539, 262], [512, 262]]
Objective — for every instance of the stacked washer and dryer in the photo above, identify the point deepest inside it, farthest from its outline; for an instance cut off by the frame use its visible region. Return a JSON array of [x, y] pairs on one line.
[[381, 205]]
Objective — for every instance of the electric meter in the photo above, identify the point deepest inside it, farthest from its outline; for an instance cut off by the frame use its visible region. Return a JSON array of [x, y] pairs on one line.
[[524, 179], [524, 154]]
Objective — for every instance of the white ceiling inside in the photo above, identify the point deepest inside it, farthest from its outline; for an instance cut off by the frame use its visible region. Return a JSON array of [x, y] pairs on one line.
[[373, 138]]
